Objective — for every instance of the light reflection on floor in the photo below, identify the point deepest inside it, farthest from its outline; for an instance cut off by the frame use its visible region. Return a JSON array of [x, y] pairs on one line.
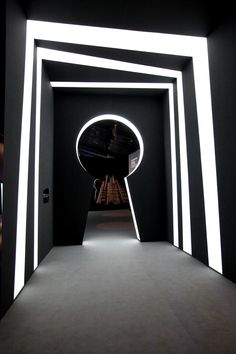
[[109, 226]]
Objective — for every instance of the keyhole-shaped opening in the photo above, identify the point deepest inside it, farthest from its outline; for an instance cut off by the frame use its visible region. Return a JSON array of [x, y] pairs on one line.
[[110, 148]]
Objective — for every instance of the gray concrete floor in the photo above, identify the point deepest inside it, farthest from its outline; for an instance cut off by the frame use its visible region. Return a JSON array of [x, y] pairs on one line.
[[117, 295]]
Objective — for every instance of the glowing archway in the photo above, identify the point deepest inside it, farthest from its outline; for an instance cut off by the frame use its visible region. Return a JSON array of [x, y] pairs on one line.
[[134, 129], [117, 118]]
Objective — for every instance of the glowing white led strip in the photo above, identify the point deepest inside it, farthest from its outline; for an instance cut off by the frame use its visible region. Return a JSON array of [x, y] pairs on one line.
[[1, 184], [132, 209], [141, 146], [195, 47], [23, 167], [119, 119]]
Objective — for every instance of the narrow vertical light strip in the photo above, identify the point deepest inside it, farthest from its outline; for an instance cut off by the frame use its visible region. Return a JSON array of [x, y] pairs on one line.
[[132, 209], [186, 219], [37, 154], [1, 197], [208, 161], [173, 168], [141, 147], [23, 167]]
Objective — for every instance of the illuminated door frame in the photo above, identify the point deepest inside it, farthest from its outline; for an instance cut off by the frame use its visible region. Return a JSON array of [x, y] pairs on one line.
[[54, 55], [134, 129], [195, 47], [143, 86]]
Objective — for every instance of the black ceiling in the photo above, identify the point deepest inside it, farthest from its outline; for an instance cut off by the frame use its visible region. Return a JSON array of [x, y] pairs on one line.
[[195, 17], [72, 72], [68, 72], [174, 62]]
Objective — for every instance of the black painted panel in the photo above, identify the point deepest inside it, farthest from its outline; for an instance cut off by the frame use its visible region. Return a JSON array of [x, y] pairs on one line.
[[29, 255], [222, 53], [72, 72], [167, 16], [46, 169], [197, 210]]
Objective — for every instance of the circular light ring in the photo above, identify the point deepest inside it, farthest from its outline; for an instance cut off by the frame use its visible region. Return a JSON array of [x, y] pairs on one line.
[[118, 119]]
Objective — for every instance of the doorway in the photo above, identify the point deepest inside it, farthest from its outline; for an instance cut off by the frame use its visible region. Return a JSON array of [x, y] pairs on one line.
[[110, 148]]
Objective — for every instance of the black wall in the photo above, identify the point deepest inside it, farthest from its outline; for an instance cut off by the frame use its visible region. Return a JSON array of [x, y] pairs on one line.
[[72, 187], [2, 101], [197, 211], [222, 53], [2, 62], [46, 169], [15, 48], [29, 258]]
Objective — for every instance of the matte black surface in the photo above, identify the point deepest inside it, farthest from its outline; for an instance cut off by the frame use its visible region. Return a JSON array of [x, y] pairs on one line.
[[29, 257], [174, 62], [71, 72], [46, 168], [197, 210], [222, 52], [72, 185], [147, 184], [170, 16]]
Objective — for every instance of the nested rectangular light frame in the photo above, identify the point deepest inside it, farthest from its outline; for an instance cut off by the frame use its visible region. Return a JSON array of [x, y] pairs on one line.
[[142, 86], [195, 47], [72, 58]]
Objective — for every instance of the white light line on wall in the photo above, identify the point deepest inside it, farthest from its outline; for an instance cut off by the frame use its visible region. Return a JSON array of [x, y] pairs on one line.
[[1, 197], [173, 168], [186, 220], [132, 209], [207, 148], [19, 278], [86, 60], [150, 42], [37, 155], [117, 118], [115, 85], [134, 129]]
